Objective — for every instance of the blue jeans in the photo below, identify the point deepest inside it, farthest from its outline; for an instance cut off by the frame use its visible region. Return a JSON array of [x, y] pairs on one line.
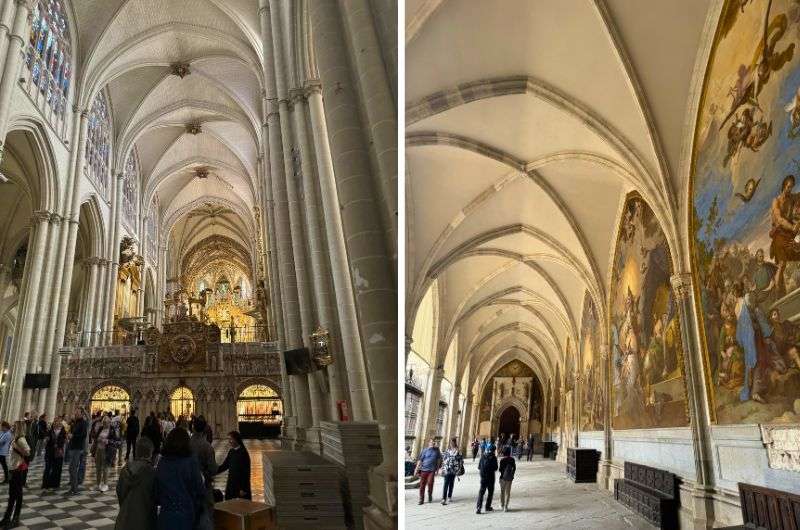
[[75, 456]]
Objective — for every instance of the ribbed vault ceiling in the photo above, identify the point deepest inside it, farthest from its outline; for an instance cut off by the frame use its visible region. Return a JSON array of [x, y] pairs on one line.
[[526, 127]]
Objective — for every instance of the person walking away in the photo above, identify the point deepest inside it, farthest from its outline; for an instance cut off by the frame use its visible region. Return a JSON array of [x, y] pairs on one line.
[[204, 454], [507, 469], [208, 432], [487, 468], [475, 448], [237, 464], [136, 490], [99, 449], [152, 430], [6, 437], [75, 449], [179, 485], [54, 456], [42, 429], [131, 434], [114, 445], [428, 464], [19, 459], [531, 439], [453, 462]]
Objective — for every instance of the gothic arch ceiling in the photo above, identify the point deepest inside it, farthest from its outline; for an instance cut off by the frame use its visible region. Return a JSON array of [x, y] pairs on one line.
[[131, 47], [526, 127], [206, 223]]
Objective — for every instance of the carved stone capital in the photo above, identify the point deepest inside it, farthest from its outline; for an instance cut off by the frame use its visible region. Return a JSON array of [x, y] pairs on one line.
[[682, 285], [55, 219], [297, 94], [40, 216], [313, 86]]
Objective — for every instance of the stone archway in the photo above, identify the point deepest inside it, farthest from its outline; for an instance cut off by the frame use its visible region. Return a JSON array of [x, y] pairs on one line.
[[508, 423]]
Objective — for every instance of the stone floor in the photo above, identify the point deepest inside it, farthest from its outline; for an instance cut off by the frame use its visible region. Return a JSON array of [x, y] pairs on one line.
[[541, 497], [94, 509]]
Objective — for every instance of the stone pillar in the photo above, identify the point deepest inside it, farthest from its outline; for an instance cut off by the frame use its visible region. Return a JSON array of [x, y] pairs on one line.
[[466, 435], [432, 405], [703, 491], [116, 215], [370, 259], [92, 266], [34, 264], [605, 461], [361, 409], [288, 284], [378, 108], [319, 267], [451, 430], [6, 23], [97, 317], [16, 45]]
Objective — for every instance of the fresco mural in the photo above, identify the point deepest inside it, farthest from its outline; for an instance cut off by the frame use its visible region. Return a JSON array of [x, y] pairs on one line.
[[746, 213], [646, 349], [592, 370]]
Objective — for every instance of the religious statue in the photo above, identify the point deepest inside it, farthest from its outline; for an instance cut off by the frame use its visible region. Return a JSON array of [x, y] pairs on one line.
[[71, 336]]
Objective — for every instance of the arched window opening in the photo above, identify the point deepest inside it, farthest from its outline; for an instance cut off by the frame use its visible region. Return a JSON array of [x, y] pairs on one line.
[[260, 412], [182, 402], [98, 143], [111, 398], [130, 186], [49, 54]]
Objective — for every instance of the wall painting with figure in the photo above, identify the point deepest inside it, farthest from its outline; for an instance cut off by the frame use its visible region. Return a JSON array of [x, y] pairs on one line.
[[592, 370], [745, 224], [646, 349]]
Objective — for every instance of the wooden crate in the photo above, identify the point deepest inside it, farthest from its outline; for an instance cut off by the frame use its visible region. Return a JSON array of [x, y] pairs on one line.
[[241, 514]]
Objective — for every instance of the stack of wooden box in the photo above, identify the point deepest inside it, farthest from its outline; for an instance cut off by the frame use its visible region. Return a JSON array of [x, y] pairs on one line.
[[304, 490], [356, 446]]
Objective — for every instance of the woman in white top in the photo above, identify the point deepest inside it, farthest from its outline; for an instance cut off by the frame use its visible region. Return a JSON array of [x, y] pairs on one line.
[[18, 462], [99, 452]]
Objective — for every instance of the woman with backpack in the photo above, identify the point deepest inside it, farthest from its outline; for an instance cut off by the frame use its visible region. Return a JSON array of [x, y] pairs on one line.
[[19, 459], [508, 467], [453, 465]]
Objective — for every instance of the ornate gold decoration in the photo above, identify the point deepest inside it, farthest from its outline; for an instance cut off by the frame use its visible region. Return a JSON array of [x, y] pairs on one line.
[[182, 349], [320, 351]]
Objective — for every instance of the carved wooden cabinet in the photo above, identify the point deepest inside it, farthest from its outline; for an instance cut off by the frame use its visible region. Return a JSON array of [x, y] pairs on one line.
[[582, 464]]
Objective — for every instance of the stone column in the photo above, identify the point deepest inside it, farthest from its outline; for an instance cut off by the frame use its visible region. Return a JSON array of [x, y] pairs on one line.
[[288, 284], [97, 317], [432, 405], [370, 259], [605, 462], [452, 426], [378, 108], [467, 426], [34, 264], [16, 45], [116, 213], [93, 266], [360, 407], [6, 23], [703, 491], [322, 284]]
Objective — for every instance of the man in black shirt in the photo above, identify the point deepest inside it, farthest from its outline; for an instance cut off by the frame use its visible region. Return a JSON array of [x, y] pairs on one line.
[[77, 441], [487, 468], [131, 434]]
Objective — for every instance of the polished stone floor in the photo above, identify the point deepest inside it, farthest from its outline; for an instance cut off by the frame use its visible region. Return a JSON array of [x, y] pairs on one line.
[[541, 497], [94, 509]]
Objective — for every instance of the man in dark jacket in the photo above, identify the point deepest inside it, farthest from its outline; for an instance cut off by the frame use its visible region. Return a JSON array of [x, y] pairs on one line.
[[204, 454], [131, 434], [136, 490], [487, 468], [75, 449], [41, 433]]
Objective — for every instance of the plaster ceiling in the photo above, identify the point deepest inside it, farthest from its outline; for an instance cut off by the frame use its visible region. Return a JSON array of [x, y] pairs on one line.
[[527, 124]]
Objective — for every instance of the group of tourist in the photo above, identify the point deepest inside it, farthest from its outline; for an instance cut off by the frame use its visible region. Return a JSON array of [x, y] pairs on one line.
[[519, 448], [450, 464], [167, 484]]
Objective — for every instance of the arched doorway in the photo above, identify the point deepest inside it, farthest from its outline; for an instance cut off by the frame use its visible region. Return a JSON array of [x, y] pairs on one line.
[[111, 398], [509, 422], [181, 402], [259, 411]]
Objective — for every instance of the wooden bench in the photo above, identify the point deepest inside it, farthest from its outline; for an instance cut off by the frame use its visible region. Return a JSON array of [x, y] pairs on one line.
[[582, 464], [650, 492], [768, 509]]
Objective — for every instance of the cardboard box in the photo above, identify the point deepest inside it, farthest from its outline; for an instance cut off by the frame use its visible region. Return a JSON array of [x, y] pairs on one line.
[[241, 514]]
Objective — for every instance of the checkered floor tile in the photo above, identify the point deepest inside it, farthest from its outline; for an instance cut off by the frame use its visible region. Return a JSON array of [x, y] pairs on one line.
[[92, 509]]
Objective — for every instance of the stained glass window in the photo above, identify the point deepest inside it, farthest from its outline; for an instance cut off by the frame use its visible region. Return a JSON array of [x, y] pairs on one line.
[[98, 146], [49, 54], [259, 403], [182, 402], [130, 185], [111, 398]]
